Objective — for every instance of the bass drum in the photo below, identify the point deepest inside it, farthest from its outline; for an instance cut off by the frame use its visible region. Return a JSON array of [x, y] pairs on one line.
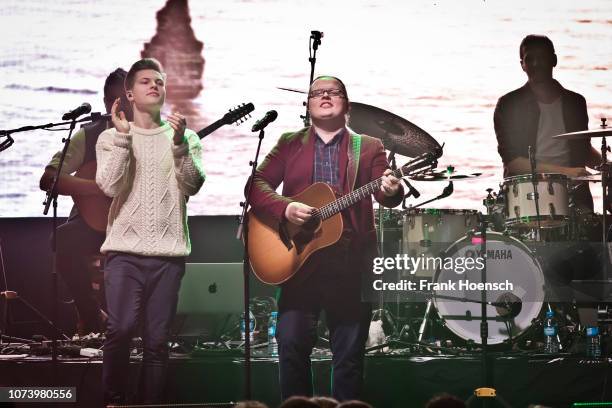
[[508, 261]]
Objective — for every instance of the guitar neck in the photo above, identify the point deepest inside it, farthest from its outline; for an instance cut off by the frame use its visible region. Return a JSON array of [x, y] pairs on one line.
[[372, 187], [211, 128], [234, 115]]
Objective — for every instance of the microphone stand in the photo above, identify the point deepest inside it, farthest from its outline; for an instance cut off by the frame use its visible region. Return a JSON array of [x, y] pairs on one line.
[[605, 178], [313, 46], [448, 190], [484, 392], [243, 233], [51, 198], [95, 116], [535, 195]]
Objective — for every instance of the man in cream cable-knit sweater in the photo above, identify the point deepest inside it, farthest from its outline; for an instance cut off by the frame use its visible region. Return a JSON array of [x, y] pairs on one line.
[[149, 167]]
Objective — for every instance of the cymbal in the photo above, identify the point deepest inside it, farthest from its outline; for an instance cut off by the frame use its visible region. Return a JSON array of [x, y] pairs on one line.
[[585, 134], [396, 133], [445, 176]]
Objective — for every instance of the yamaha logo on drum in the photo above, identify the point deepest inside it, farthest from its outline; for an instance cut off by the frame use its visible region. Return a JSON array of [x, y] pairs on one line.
[[491, 254]]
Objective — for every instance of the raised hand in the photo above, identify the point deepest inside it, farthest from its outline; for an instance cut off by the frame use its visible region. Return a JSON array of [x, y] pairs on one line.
[[178, 123], [119, 121]]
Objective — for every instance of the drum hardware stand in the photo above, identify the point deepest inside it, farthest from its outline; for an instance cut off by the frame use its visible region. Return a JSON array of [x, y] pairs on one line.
[[605, 178], [605, 281], [534, 196], [313, 46], [486, 392], [447, 191], [493, 202], [381, 312], [243, 233]]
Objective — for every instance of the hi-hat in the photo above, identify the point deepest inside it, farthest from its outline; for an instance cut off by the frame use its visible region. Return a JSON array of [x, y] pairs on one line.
[[445, 176], [396, 133], [585, 134]]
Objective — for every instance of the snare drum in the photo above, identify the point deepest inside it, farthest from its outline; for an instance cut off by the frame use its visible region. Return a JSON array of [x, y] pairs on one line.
[[553, 200], [507, 259], [427, 232]]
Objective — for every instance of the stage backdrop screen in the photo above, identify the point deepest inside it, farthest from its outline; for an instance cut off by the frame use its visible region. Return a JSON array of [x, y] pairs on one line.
[[442, 65]]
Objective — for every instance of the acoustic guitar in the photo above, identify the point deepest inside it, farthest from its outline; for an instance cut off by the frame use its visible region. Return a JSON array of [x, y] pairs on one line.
[[92, 208], [278, 249]]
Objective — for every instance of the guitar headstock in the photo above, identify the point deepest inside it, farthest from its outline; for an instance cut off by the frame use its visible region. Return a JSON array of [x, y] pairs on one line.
[[239, 114]]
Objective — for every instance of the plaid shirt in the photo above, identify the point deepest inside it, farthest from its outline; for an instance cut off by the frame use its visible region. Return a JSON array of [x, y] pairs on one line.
[[327, 161]]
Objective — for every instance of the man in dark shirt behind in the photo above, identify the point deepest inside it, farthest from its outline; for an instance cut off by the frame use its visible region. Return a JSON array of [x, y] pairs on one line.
[[540, 109]]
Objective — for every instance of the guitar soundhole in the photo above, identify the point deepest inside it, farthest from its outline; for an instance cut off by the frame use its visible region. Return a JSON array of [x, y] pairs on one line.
[[309, 231], [311, 225]]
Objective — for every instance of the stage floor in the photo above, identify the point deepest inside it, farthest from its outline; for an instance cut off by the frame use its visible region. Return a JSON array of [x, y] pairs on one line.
[[391, 380]]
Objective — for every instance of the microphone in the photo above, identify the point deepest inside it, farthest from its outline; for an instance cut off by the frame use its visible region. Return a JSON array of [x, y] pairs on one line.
[[268, 118], [75, 113], [316, 35], [411, 190], [448, 190], [316, 39]]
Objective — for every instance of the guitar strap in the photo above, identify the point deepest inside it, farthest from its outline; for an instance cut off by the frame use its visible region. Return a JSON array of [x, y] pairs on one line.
[[353, 159], [92, 131]]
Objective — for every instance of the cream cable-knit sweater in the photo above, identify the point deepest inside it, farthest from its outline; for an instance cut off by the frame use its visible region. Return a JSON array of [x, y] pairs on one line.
[[148, 178]]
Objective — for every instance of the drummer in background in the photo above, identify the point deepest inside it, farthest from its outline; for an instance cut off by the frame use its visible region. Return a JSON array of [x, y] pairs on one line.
[[534, 113]]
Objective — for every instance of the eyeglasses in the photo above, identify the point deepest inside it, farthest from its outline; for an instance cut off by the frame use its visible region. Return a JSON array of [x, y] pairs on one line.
[[335, 93]]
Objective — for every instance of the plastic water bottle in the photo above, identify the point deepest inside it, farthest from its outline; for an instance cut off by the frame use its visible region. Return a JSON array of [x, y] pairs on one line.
[[272, 344], [551, 344], [251, 326], [593, 343]]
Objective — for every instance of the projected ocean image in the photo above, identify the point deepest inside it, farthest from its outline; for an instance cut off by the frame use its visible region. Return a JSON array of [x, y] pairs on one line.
[[441, 65]]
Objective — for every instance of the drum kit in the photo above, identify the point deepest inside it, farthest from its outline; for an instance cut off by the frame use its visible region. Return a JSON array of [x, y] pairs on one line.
[[526, 213]]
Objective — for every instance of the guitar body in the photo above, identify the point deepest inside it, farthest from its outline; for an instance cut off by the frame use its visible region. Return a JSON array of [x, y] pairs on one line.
[[93, 209], [277, 250]]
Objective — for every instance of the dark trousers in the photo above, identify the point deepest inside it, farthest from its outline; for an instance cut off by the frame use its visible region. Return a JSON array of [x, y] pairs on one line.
[[76, 243], [140, 292], [335, 288]]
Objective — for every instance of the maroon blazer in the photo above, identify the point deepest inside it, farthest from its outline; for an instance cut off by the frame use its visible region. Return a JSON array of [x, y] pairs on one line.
[[291, 162]]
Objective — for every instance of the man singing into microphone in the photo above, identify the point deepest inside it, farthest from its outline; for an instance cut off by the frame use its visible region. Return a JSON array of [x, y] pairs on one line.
[[330, 280], [149, 167]]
